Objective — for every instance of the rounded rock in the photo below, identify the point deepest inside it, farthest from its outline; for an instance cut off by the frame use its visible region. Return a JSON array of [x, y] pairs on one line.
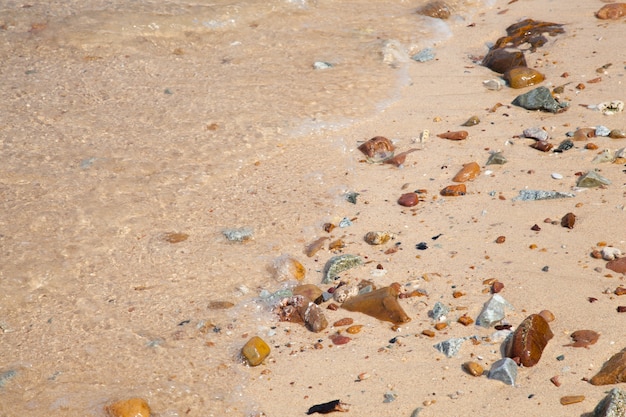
[[255, 351], [132, 407], [473, 368], [521, 77], [408, 200]]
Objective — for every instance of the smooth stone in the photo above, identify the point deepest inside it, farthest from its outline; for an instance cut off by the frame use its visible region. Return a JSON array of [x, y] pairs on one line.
[[501, 60], [381, 304], [602, 131], [612, 11], [529, 340], [473, 368], [450, 347], [533, 195], [521, 77], [495, 84], [538, 99], [556, 176], [493, 311], [536, 133], [610, 253], [408, 200], [613, 371], [321, 65], [613, 405], [583, 134], [132, 407], [454, 190], [472, 121], [467, 173], [617, 265], [255, 351], [378, 148], [617, 134], [504, 370], [592, 179]]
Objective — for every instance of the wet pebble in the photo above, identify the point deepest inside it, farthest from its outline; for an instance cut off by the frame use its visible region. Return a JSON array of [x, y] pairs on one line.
[[521, 77], [286, 267], [132, 407], [378, 148], [529, 340], [583, 338], [255, 351], [467, 173], [436, 9], [501, 60], [454, 190]]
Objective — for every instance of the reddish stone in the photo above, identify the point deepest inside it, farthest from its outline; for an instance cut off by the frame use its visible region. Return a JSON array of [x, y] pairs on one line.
[[408, 200]]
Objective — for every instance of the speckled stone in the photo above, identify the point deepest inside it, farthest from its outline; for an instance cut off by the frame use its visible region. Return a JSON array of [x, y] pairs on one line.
[[613, 405]]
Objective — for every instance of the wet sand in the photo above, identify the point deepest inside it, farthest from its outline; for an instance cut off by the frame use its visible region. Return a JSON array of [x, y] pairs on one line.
[[98, 306]]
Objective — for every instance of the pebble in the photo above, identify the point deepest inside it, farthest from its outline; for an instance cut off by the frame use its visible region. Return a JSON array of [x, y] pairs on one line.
[[539, 99], [613, 405], [504, 370], [436, 9], [610, 253], [343, 322], [501, 60], [241, 234], [354, 329], [612, 11], [536, 133], [556, 176], [617, 265], [338, 264], [584, 133], [493, 311], [454, 190], [315, 246], [439, 311], [378, 238], [132, 407], [568, 220], [321, 65], [521, 77], [450, 347], [310, 291], [381, 304], [495, 84], [609, 108], [529, 340], [378, 148], [542, 145], [344, 292], [408, 199], [255, 351], [617, 134], [602, 131], [496, 158], [424, 55], [572, 399], [583, 338], [473, 368], [565, 145], [533, 195], [467, 173], [458, 135], [175, 237], [472, 121], [339, 339]]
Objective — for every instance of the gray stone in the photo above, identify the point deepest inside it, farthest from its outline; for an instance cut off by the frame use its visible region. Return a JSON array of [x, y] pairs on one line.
[[424, 55], [493, 311], [450, 347], [532, 195], [238, 235], [504, 370], [496, 158], [538, 99], [613, 405], [536, 133], [439, 310], [592, 179]]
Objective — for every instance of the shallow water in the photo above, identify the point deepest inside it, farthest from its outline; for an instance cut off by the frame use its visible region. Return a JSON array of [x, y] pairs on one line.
[[122, 121]]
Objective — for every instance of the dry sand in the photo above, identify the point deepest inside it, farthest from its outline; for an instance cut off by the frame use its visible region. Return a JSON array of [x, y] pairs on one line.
[[131, 288]]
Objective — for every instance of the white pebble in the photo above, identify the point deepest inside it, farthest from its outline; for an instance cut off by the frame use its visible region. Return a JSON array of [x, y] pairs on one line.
[[557, 176], [609, 253]]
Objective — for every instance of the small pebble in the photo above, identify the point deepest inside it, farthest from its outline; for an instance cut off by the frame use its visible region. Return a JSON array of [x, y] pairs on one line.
[[602, 131], [473, 368], [572, 399], [556, 176], [255, 351], [132, 407]]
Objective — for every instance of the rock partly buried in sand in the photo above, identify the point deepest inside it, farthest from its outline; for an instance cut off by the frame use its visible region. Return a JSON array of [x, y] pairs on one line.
[[467, 173], [539, 99], [529, 340], [583, 338], [521, 77], [504, 370], [617, 265], [613, 405], [378, 149], [132, 407], [436, 9], [381, 304], [255, 351], [612, 11], [613, 371]]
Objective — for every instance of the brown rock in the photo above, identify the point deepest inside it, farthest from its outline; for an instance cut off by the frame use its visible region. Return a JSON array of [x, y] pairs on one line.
[[458, 135], [400, 158], [465, 320], [175, 237], [408, 200], [501, 60], [501, 239], [313, 317], [310, 291], [285, 268], [473, 368], [617, 265], [529, 340], [453, 190], [584, 133], [542, 145], [467, 173], [381, 304], [612, 11], [339, 339], [583, 338], [346, 321], [436, 9], [132, 407], [313, 247], [572, 399], [354, 329], [568, 220], [613, 371], [620, 291], [255, 351], [521, 77], [378, 147]]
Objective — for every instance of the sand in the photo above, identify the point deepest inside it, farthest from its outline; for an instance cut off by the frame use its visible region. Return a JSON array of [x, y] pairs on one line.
[[81, 342]]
